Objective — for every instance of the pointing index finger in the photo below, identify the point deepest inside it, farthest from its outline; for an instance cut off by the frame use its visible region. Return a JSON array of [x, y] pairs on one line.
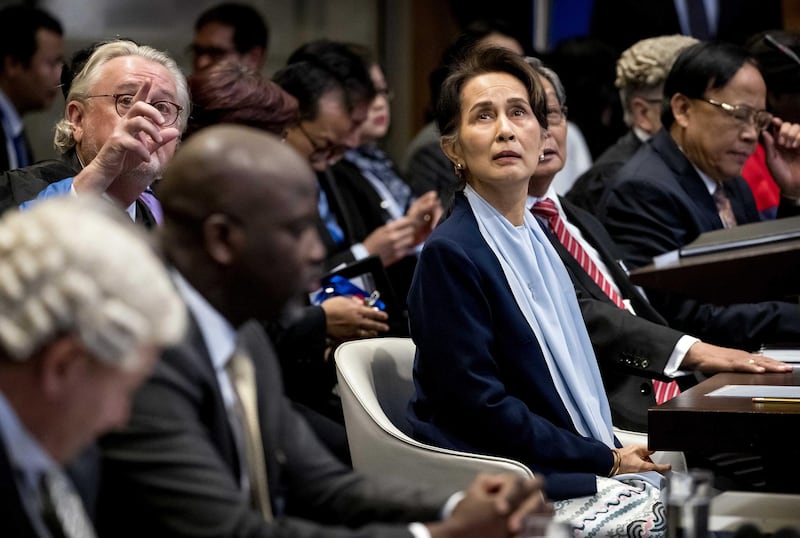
[[143, 91]]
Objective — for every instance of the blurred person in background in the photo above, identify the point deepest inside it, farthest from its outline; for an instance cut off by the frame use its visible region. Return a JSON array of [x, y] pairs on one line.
[[372, 191], [31, 57], [230, 31], [641, 71], [781, 73]]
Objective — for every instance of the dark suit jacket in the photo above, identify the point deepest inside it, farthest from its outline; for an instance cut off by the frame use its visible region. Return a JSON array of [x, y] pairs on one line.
[[430, 169], [657, 204], [300, 343], [337, 253], [589, 187], [23, 184], [173, 471], [482, 384], [622, 23], [15, 518], [631, 350]]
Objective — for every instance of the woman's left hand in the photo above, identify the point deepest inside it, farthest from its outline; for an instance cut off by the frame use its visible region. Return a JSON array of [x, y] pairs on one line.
[[636, 459]]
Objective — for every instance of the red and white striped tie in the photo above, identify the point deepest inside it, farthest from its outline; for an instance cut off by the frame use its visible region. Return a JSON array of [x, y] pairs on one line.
[[546, 208]]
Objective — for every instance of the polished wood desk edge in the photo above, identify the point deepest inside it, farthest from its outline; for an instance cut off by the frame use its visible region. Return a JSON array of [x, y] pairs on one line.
[[696, 423], [717, 278], [779, 247], [695, 399]]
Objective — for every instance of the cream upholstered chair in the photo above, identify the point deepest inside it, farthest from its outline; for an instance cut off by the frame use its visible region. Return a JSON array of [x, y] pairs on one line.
[[375, 385]]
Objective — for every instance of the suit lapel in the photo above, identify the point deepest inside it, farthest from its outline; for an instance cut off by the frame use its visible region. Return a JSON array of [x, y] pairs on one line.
[[689, 180], [220, 427], [740, 201], [595, 235]]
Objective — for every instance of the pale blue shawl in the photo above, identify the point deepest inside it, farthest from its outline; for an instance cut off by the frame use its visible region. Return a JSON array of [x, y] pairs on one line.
[[545, 295]]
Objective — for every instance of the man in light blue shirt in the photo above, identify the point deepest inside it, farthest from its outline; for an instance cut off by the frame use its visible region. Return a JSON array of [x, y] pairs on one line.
[[125, 110]]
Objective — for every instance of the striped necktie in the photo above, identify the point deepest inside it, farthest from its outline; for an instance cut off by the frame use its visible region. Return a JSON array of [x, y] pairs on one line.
[[546, 208]]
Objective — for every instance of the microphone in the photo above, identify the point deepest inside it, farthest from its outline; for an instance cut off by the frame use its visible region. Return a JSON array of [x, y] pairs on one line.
[[783, 49]]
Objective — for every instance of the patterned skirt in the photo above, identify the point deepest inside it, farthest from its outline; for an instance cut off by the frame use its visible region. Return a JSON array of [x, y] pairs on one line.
[[621, 508]]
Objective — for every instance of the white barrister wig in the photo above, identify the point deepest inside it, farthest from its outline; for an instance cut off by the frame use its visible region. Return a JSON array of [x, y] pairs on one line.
[[74, 265]]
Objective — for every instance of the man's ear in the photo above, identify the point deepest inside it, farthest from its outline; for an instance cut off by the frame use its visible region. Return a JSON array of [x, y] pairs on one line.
[[642, 113], [75, 113], [11, 66], [223, 238], [681, 109], [59, 362]]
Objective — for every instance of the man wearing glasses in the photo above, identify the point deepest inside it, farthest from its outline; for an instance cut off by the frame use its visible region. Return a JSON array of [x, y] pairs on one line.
[[229, 31], [687, 181], [334, 90], [125, 111]]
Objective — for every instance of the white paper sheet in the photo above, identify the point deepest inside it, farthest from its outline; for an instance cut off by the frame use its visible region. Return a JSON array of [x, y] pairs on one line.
[[791, 355], [757, 391]]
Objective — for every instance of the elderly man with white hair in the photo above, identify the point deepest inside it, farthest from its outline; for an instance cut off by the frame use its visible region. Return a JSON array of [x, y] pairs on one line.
[[85, 306], [125, 111]]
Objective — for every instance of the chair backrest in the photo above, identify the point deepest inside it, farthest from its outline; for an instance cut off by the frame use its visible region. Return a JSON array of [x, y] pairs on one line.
[[375, 384]]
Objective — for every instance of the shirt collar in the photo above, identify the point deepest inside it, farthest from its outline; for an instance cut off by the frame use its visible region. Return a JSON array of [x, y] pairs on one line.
[[27, 457], [710, 184], [218, 334], [641, 134], [551, 193]]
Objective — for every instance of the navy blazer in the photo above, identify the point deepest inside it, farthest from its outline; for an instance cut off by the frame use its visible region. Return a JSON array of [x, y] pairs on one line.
[[657, 204], [482, 384]]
